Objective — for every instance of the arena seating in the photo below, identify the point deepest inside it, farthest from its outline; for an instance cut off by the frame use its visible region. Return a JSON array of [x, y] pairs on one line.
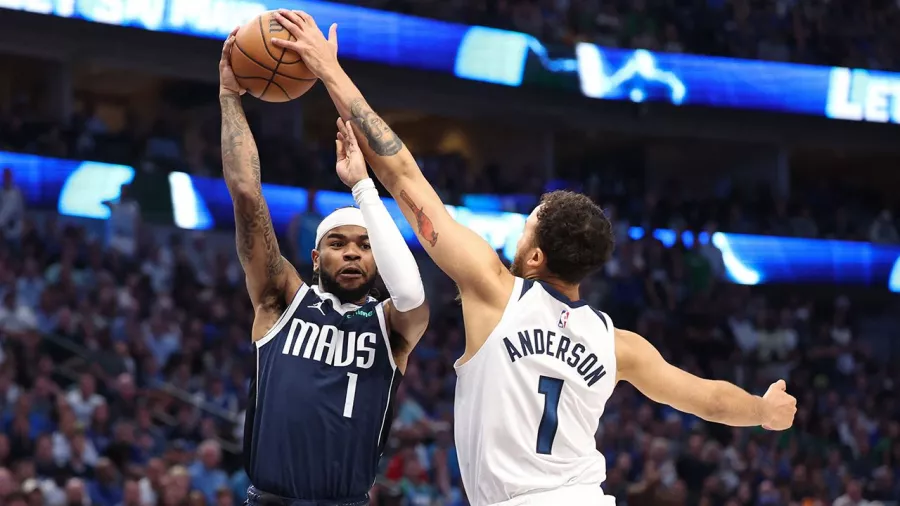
[[124, 378]]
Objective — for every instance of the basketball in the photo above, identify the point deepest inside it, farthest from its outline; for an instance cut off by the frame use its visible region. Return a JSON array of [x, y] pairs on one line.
[[268, 72]]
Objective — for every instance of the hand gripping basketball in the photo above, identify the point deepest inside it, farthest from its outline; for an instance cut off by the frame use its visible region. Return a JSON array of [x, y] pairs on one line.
[[319, 53], [265, 70], [227, 82]]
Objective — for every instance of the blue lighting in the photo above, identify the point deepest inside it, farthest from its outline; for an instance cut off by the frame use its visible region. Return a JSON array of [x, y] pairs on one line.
[[505, 57], [202, 203], [894, 280]]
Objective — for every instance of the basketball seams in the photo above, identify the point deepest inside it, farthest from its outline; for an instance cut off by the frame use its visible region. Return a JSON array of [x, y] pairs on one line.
[[277, 64], [290, 62], [263, 66], [265, 41], [254, 60], [280, 87], [253, 54]]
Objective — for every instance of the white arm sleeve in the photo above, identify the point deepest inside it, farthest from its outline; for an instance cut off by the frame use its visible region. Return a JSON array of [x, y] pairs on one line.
[[395, 261]]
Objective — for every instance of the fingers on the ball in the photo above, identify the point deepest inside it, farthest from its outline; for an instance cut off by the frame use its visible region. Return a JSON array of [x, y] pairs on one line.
[[306, 18], [291, 16], [287, 44], [289, 24]]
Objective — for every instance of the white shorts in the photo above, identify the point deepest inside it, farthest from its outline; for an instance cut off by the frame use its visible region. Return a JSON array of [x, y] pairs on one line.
[[574, 495]]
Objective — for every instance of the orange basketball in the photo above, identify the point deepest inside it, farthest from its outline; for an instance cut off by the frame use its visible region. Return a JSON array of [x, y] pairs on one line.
[[268, 72]]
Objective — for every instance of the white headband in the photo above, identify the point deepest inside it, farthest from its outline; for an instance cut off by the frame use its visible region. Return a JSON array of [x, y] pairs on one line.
[[339, 218]]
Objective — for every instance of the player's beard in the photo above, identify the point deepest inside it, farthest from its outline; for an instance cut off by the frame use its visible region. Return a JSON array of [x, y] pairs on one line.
[[517, 267], [353, 295]]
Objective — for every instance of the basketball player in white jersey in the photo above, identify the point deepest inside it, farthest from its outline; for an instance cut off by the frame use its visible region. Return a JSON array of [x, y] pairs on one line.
[[539, 364]]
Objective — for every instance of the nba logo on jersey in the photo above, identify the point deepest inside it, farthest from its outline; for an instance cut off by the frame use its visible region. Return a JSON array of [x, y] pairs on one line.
[[563, 319]]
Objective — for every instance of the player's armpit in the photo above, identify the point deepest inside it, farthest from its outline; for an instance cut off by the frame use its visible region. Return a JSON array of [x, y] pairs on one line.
[[268, 275], [641, 364], [409, 326]]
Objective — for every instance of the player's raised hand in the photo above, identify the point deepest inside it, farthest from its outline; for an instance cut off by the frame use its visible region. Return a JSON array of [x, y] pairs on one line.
[[781, 407], [318, 53], [351, 166], [228, 85]]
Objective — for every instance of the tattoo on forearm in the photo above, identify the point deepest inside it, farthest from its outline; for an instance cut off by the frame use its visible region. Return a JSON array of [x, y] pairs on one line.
[[423, 222], [382, 140], [241, 167]]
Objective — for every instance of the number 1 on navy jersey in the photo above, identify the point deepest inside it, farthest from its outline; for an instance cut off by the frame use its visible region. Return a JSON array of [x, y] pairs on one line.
[[550, 388], [351, 394]]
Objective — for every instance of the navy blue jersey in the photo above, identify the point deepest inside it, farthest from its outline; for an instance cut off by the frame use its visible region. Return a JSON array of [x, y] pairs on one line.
[[320, 406]]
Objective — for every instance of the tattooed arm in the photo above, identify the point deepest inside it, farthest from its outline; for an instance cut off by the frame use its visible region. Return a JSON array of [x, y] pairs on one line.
[[463, 255], [459, 252], [269, 275]]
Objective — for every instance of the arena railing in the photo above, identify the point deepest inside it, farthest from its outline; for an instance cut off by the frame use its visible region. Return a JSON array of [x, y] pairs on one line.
[[79, 360]]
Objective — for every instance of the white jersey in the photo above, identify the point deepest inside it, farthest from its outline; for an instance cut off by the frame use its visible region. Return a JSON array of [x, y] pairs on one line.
[[529, 402]]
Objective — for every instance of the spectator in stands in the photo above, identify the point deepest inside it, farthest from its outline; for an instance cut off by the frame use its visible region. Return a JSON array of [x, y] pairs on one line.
[[302, 233], [124, 222], [151, 484], [16, 499], [12, 208], [131, 494], [84, 399], [105, 489], [76, 493], [206, 476], [883, 230], [16, 317]]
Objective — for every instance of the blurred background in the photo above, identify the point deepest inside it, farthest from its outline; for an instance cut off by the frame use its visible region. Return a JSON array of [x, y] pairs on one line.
[[747, 151]]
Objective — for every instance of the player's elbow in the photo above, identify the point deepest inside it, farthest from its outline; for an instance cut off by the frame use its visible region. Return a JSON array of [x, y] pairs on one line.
[[396, 176], [242, 192]]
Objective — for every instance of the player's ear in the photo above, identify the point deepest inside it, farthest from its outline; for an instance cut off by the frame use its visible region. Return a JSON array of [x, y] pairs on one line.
[[536, 258], [314, 255]]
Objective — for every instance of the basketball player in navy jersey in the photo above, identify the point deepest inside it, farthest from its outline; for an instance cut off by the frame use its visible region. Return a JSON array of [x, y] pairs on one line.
[[539, 363], [329, 357]]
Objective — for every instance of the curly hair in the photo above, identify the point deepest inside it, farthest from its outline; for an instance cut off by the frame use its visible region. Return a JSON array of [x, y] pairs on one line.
[[574, 234]]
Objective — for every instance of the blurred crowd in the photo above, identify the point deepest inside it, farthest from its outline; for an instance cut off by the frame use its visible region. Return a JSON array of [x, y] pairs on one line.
[[125, 358], [849, 33], [188, 141], [125, 353]]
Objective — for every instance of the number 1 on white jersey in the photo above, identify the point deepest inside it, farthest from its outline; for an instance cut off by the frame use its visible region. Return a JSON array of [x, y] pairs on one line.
[[551, 389]]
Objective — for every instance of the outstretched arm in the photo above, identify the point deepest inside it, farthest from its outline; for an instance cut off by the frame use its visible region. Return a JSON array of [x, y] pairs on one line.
[[640, 364], [268, 274], [407, 311], [463, 255]]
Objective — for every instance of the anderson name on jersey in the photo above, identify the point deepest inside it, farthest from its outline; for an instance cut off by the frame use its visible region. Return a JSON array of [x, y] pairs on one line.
[[543, 342], [529, 402]]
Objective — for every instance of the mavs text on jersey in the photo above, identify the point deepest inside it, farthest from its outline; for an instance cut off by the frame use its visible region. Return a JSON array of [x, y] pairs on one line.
[[551, 367], [320, 407]]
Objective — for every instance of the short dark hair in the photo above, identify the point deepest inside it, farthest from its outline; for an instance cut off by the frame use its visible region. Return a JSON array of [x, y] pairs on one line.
[[16, 496], [574, 234]]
